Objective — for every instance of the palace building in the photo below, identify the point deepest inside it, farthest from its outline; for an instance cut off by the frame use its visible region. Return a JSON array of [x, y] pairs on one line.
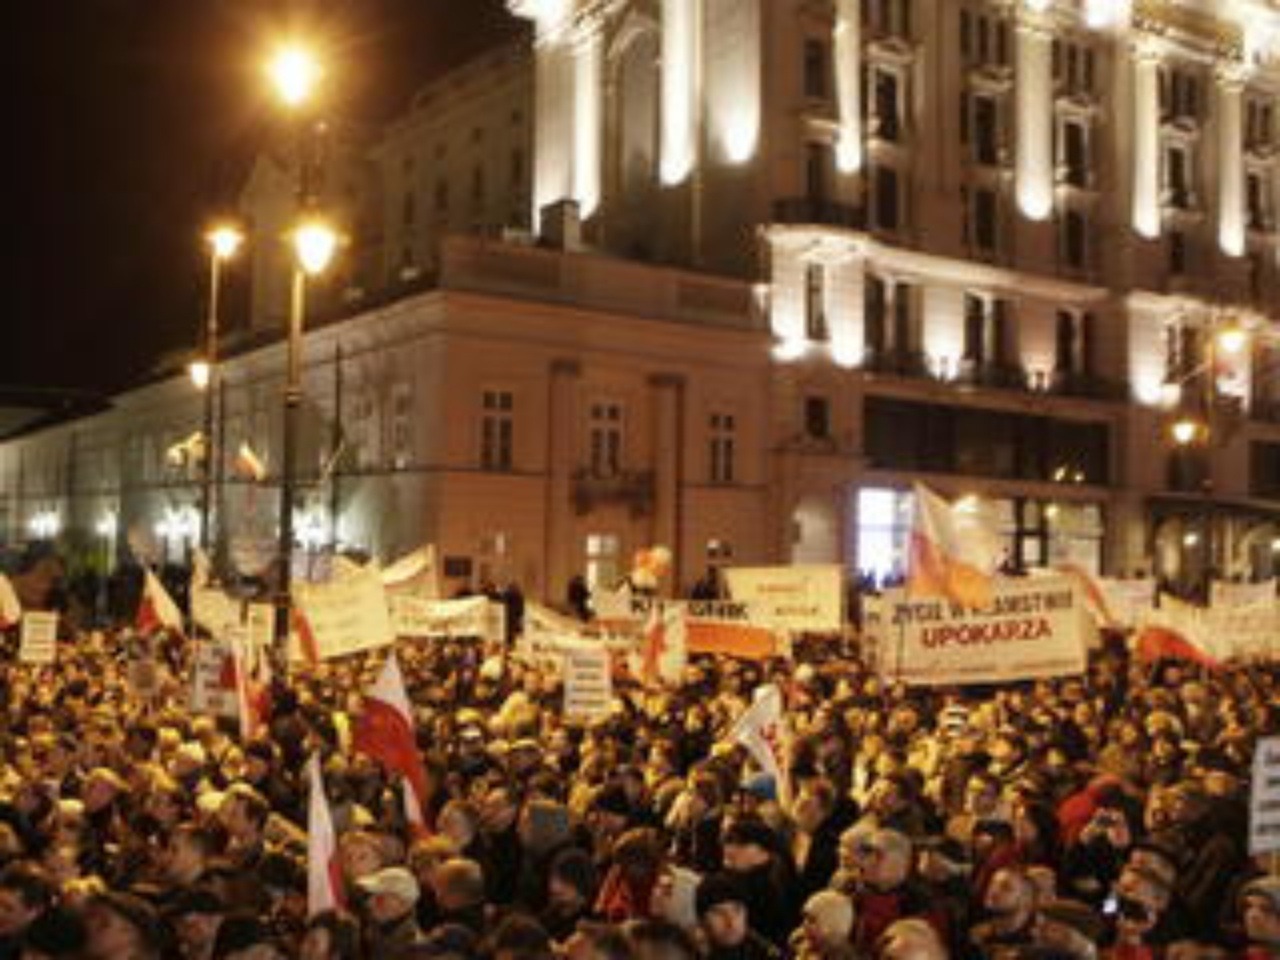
[[731, 275]]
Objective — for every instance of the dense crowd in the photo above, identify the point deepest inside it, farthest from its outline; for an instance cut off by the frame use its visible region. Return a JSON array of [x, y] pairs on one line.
[[1097, 816]]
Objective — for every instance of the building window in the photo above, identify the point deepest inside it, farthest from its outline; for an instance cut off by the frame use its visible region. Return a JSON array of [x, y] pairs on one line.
[[815, 307], [986, 129], [1074, 239], [1179, 94], [603, 551], [817, 170], [1259, 124], [517, 167], [874, 302], [816, 69], [1177, 253], [886, 88], [442, 197], [402, 425], [890, 18], [497, 430], [364, 429], [817, 418], [983, 230], [984, 39], [1177, 175], [605, 439], [723, 443], [1258, 200], [1073, 67], [477, 186], [886, 206], [986, 333], [1073, 344], [1073, 153]]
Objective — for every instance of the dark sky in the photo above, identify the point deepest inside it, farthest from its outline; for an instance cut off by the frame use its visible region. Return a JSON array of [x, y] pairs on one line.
[[131, 123]]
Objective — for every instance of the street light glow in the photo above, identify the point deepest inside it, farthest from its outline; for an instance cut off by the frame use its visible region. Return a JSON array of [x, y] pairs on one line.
[[1184, 431], [1232, 338], [224, 241], [294, 71], [314, 242], [199, 371]]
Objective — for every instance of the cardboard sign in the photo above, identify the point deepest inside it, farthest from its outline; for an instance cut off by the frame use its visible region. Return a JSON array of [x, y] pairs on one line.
[[1264, 798], [346, 615], [588, 684], [797, 598], [213, 679], [481, 617], [39, 640], [1037, 627], [1225, 594]]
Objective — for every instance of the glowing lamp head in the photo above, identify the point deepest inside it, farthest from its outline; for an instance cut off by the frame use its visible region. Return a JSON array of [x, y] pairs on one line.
[[1185, 431], [1232, 339], [1170, 394], [199, 372], [314, 243], [224, 241], [294, 72]]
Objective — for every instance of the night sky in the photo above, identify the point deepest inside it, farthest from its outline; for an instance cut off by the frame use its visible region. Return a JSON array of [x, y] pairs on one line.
[[132, 124]]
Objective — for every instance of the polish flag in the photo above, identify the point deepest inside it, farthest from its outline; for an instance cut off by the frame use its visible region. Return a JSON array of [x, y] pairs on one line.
[[157, 608], [306, 637], [253, 687], [1157, 643], [10, 605], [762, 729], [324, 872], [953, 552], [385, 732], [665, 650], [249, 465]]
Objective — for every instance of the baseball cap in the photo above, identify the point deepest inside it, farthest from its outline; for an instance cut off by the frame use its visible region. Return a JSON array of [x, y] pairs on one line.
[[394, 881]]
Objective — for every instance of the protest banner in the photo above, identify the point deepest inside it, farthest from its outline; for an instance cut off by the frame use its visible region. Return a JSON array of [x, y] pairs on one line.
[[588, 684], [346, 615], [213, 679], [416, 573], [726, 627], [1033, 628], [1223, 593], [1264, 798], [1221, 632], [796, 598], [39, 639], [212, 609], [413, 616], [1127, 600]]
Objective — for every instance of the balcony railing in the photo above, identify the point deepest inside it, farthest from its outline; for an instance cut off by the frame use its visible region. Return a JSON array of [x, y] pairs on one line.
[[633, 489]]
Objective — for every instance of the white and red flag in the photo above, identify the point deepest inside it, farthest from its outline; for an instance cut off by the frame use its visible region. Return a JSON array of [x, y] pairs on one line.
[[664, 648], [385, 732], [762, 729], [954, 551], [249, 465], [253, 686], [157, 608], [324, 871], [10, 605]]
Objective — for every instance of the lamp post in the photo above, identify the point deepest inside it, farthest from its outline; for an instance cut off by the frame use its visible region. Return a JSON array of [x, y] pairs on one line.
[[223, 242], [294, 73]]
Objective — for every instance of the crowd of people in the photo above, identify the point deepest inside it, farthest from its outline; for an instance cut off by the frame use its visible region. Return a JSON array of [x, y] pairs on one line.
[[1095, 816]]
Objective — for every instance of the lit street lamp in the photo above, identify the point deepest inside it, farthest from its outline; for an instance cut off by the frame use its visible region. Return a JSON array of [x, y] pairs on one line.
[[223, 242]]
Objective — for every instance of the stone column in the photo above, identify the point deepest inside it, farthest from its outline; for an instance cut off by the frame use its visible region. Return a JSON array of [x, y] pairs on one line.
[[1230, 84], [1146, 141], [588, 116], [847, 44], [1035, 119]]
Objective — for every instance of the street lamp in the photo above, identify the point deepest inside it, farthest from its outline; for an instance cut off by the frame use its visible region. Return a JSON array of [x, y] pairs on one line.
[[223, 242], [314, 243]]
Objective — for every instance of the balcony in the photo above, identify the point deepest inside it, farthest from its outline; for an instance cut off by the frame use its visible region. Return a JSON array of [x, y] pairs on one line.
[[814, 210], [633, 489]]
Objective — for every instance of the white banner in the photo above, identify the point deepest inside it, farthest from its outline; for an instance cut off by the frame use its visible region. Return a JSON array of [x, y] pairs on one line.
[[1127, 600], [797, 598], [728, 627], [1035, 627], [588, 684], [213, 687], [212, 609], [465, 617], [347, 615], [1264, 798], [39, 640], [1223, 593], [1223, 632]]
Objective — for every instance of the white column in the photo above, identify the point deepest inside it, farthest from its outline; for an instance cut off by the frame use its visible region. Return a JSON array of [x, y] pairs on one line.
[[679, 89], [1035, 122], [587, 96], [1230, 163], [847, 45], [1146, 142], [553, 124]]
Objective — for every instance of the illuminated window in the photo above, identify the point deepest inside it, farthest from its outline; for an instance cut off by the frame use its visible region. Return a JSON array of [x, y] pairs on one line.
[[884, 525], [603, 551]]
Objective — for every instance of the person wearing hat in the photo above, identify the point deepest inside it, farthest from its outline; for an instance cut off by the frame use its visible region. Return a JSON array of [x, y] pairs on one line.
[[390, 898], [726, 921], [120, 926], [751, 856], [1260, 916], [825, 928], [195, 915]]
